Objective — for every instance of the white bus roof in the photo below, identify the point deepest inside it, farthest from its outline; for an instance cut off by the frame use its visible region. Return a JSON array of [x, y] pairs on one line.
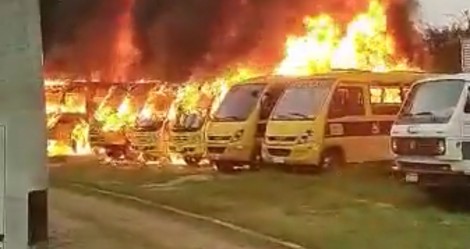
[[459, 76]]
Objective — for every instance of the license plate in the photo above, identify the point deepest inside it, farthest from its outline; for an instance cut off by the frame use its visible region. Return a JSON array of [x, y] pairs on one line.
[[216, 157], [278, 160], [411, 177]]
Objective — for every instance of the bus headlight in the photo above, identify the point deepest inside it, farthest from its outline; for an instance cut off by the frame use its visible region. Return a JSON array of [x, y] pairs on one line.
[[237, 136], [394, 145], [305, 138], [441, 147]]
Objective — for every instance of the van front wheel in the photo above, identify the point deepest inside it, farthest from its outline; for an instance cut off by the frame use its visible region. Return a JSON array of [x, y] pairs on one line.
[[331, 159], [225, 167]]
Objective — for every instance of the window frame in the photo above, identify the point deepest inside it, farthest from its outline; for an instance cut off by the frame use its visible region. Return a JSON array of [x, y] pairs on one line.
[[347, 112], [378, 107]]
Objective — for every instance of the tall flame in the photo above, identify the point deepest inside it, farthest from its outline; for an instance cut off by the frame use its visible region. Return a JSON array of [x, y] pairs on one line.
[[364, 45], [126, 54]]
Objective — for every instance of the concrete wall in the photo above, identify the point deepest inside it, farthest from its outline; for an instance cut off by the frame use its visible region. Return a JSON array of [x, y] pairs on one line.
[[21, 112]]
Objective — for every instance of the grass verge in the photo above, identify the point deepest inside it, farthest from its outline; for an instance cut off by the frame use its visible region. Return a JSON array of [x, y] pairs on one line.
[[359, 208]]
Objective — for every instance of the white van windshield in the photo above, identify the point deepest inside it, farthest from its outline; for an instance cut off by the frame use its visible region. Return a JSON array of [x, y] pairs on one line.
[[300, 102], [431, 102]]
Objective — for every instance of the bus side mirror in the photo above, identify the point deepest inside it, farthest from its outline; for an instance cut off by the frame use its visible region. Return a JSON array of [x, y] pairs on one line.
[[255, 93], [467, 104]]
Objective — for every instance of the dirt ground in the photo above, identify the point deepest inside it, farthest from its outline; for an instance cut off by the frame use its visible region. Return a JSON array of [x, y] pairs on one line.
[[79, 221]]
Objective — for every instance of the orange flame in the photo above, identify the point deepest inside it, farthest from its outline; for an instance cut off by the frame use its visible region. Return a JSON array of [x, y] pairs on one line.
[[126, 54], [365, 45]]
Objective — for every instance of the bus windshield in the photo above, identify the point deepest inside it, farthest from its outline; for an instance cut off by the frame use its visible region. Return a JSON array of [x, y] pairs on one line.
[[431, 102], [300, 102], [239, 102], [149, 124], [188, 123]]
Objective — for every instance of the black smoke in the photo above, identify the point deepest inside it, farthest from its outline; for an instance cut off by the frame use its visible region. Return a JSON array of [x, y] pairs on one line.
[[180, 39]]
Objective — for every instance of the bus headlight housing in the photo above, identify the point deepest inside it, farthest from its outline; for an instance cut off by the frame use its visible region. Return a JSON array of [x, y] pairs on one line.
[[237, 136], [441, 147], [305, 138], [394, 145]]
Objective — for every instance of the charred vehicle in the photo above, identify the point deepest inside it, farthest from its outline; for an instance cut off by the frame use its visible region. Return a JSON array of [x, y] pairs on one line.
[[114, 116], [149, 135], [67, 120], [188, 122]]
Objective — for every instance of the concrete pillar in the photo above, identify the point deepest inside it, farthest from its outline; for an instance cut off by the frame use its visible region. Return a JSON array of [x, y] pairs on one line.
[[22, 114]]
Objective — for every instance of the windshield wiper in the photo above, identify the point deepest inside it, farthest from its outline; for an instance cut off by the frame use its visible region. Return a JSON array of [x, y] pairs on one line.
[[298, 114], [229, 118], [291, 115], [423, 114]]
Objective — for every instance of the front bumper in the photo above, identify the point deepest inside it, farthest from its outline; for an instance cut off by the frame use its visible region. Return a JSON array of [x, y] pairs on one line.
[[229, 152], [187, 149], [301, 154], [431, 165], [432, 171]]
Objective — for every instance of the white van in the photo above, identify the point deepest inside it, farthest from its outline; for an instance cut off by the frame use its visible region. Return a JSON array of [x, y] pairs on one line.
[[431, 136]]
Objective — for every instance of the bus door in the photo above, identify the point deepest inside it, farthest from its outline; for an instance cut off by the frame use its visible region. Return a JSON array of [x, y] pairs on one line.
[[2, 184]]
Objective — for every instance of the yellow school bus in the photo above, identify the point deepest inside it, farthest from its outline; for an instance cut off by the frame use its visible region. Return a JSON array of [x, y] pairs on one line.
[[187, 137], [115, 117], [187, 131], [327, 120], [149, 136], [236, 129]]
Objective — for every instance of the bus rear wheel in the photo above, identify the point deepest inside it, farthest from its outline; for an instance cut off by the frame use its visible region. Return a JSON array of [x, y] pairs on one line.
[[331, 159]]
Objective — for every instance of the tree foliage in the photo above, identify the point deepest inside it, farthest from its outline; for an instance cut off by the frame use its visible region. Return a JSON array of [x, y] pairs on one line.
[[443, 44]]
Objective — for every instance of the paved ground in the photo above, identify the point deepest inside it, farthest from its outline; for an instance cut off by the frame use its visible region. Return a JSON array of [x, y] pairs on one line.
[[79, 221]]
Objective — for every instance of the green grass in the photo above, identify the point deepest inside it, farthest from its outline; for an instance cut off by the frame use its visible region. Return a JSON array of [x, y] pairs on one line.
[[359, 208]]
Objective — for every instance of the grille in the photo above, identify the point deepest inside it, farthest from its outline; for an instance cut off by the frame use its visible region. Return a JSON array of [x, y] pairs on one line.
[[216, 150], [219, 138], [417, 146], [180, 138], [279, 152], [97, 139], [424, 167], [144, 148], [281, 138]]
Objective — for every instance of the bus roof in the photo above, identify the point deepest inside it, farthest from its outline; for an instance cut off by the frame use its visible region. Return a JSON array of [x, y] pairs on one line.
[[458, 76], [356, 76], [376, 77]]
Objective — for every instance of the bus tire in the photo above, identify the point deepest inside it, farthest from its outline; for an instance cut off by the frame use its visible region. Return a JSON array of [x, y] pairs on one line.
[[192, 161], [225, 167], [332, 159]]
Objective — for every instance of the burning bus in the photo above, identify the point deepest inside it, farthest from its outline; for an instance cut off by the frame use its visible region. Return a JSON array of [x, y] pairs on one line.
[[149, 134], [67, 120], [115, 115], [187, 121]]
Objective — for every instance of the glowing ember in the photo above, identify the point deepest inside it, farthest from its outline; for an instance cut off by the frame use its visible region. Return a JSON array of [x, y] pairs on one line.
[[365, 45]]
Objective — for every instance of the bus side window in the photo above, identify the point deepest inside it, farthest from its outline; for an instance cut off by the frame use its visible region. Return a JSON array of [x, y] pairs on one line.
[[347, 101], [385, 100]]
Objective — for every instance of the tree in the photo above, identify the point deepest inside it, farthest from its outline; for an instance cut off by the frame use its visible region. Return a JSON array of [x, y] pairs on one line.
[[443, 44]]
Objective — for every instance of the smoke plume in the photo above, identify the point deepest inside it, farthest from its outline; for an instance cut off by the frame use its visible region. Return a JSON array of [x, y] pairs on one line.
[[181, 39]]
